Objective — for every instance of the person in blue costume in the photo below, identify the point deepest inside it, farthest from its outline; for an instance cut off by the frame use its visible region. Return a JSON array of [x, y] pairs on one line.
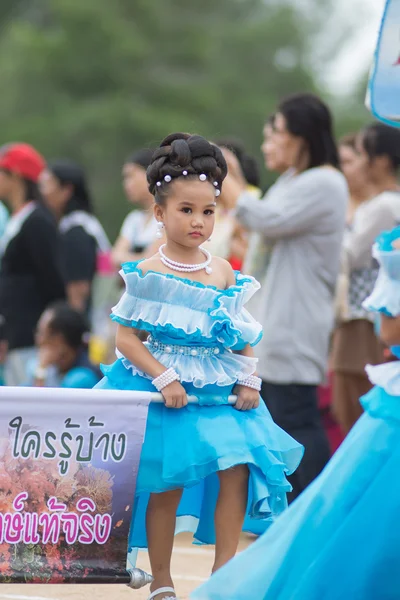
[[340, 538], [203, 467]]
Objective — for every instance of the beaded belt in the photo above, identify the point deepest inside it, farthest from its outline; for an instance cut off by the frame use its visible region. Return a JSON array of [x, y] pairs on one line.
[[200, 351]]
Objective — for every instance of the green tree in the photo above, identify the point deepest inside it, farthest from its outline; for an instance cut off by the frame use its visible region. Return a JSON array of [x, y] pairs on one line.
[[93, 80]]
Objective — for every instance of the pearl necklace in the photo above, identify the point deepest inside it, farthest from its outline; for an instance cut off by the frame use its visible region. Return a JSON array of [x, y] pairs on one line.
[[186, 268]]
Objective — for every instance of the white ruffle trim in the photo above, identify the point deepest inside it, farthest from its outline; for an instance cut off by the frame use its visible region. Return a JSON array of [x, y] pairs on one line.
[[385, 296], [159, 303], [178, 290], [386, 376], [389, 261], [224, 369]]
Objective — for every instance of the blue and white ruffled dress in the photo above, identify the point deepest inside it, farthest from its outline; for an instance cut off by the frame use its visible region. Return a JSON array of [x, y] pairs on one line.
[[340, 538], [194, 328]]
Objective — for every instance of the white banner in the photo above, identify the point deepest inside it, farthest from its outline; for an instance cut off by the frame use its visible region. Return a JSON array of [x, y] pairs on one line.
[[68, 465]]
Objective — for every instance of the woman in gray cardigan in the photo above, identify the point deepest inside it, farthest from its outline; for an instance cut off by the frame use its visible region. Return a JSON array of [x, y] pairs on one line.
[[303, 218]]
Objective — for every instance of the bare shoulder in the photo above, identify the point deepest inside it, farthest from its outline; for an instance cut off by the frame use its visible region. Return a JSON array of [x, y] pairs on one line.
[[224, 268], [151, 264]]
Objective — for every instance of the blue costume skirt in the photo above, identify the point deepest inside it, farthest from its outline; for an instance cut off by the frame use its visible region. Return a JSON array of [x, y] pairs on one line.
[[340, 538], [186, 448]]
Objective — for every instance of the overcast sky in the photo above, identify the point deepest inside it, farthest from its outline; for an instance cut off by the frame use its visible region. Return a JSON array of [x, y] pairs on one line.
[[356, 56]]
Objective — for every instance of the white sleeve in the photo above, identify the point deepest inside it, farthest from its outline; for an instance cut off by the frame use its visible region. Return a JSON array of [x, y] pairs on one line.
[[369, 222], [129, 229]]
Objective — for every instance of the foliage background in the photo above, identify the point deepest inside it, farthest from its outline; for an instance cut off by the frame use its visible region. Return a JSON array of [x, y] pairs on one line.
[[93, 80]]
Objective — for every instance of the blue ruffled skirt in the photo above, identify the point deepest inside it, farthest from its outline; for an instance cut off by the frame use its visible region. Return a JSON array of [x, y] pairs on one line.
[[340, 538], [186, 448]]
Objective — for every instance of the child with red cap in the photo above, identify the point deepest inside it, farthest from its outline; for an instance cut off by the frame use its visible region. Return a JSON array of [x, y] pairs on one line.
[[30, 275]]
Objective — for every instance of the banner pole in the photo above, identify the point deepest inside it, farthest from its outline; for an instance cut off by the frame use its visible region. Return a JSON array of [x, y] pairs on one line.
[[133, 578], [158, 398]]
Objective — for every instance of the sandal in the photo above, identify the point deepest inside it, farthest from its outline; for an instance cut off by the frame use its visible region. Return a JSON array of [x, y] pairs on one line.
[[162, 591]]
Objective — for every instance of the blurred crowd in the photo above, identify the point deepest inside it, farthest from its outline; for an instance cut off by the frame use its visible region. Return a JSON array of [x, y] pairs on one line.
[[308, 240]]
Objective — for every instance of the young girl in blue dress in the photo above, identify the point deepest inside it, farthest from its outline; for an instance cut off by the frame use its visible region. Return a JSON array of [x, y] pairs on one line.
[[340, 539], [203, 467]]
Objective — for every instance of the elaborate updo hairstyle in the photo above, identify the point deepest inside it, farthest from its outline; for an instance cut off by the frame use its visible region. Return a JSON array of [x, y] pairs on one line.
[[381, 140], [188, 157]]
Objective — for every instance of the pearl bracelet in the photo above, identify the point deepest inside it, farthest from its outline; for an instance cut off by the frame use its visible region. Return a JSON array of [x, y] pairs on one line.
[[165, 379], [252, 382]]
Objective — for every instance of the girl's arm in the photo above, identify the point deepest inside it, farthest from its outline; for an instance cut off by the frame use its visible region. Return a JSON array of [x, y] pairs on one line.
[[136, 352], [390, 330], [246, 351], [247, 397]]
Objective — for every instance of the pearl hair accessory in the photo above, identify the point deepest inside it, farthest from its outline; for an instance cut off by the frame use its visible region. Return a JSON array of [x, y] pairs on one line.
[[252, 382], [202, 177], [186, 268], [169, 376], [160, 226]]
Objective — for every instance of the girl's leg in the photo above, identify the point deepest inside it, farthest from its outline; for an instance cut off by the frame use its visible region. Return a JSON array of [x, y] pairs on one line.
[[160, 526], [230, 512]]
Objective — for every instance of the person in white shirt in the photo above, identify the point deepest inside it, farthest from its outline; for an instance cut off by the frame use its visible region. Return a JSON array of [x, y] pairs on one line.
[[378, 148], [375, 164], [137, 238]]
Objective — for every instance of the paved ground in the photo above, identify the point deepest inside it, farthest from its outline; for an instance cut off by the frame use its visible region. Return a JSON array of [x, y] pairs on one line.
[[191, 566]]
